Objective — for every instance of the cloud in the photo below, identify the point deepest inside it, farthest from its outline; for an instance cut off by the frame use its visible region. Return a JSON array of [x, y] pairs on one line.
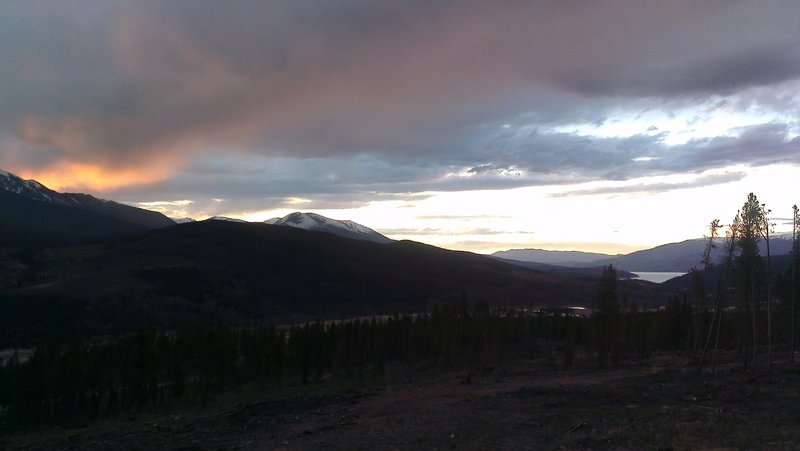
[[463, 217], [538, 159], [343, 100], [701, 181], [417, 231]]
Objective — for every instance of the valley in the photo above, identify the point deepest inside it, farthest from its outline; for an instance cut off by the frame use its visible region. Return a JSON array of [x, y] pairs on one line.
[[399, 225], [121, 327]]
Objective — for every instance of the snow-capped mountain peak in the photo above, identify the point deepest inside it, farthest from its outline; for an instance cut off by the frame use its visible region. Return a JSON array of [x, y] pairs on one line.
[[317, 223], [30, 189], [305, 221], [34, 190], [225, 218], [66, 217]]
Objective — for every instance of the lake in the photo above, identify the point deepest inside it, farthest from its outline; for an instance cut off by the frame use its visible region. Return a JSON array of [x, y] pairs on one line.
[[656, 277]]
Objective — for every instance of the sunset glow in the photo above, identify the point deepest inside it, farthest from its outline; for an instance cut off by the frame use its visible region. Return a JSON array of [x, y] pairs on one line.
[[76, 177]]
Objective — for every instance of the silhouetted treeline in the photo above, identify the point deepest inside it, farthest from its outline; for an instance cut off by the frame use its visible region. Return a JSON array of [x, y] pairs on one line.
[[80, 381]]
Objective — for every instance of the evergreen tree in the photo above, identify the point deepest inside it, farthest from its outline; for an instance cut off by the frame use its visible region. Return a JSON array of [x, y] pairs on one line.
[[751, 228], [608, 313]]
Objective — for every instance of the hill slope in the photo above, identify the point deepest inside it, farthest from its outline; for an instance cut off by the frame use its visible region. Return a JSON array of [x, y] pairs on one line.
[[36, 215], [672, 257], [238, 273], [563, 258]]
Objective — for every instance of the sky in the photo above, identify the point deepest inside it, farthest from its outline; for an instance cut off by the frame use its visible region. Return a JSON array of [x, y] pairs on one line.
[[605, 125]]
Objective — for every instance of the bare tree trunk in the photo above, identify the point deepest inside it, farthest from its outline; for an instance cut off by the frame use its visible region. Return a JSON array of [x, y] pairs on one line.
[[755, 335], [719, 304], [769, 302], [716, 320], [700, 293], [794, 280], [716, 340]]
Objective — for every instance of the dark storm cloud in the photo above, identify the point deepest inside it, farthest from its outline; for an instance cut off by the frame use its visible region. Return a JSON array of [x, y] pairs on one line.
[[716, 74], [544, 159], [363, 98], [256, 183], [568, 157]]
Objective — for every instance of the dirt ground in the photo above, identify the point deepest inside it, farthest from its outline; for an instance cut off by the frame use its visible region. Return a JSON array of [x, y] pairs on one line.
[[666, 405]]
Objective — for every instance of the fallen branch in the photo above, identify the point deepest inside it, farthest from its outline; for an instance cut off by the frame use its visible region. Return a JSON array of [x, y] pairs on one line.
[[577, 426]]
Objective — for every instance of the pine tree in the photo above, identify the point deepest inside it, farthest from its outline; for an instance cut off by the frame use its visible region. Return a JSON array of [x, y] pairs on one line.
[[751, 229], [607, 316]]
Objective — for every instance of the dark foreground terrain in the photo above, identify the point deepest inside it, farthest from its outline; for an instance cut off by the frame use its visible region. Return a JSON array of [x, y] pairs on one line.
[[517, 405]]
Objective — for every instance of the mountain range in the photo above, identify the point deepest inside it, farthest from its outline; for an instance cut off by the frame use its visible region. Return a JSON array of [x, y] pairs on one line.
[[36, 215], [672, 257], [149, 271], [317, 223], [250, 273], [314, 222]]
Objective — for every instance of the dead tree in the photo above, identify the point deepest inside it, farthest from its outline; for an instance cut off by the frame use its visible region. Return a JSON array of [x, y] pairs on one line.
[[722, 286]]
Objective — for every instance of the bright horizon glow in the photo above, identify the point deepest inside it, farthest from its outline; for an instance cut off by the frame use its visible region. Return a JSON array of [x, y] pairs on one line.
[[614, 223]]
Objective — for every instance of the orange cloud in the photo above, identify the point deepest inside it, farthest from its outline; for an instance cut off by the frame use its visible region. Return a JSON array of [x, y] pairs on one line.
[[93, 178]]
